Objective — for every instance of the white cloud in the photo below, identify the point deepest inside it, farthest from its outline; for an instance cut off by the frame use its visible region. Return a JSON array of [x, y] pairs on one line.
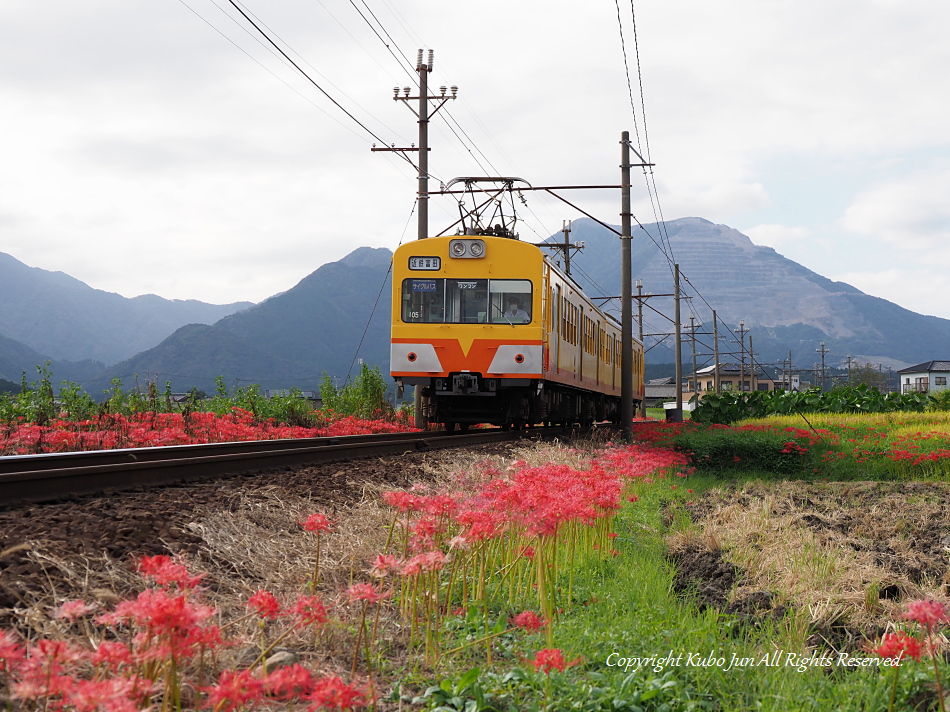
[[144, 151], [912, 211], [910, 287]]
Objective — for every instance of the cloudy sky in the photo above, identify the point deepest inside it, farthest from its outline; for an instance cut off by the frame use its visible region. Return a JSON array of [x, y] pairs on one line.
[[160, 147]]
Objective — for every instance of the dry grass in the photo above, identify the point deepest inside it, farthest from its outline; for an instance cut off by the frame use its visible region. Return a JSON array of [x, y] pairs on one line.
[[831, 548], [256, 543]]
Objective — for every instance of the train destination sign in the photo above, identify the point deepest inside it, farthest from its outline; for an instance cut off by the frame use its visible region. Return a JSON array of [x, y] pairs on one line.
[[427, 263]]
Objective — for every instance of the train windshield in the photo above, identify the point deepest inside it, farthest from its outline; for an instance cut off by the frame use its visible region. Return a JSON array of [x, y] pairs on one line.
[[466, 301]]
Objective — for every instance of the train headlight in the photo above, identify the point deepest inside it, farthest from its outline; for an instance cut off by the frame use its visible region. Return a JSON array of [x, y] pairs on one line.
[[467, 249]]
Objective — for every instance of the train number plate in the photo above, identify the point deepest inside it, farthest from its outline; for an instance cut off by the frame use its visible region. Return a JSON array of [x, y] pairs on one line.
[[427, 263]]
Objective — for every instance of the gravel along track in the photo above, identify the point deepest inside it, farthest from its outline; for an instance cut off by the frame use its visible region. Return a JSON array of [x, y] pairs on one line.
[[44, 548]]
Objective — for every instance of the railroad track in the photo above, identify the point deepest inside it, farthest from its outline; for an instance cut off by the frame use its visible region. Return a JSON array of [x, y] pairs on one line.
[[43, 478]]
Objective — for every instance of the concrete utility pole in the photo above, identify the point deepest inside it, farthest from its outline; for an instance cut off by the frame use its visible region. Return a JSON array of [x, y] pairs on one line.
[[423, 113], [692, 334], [741, 331], [566, 229], [752, 384], [789, 369], [626, 294], [678, 413], [642, 410], [822, 350], [849, 370], [715, 352]]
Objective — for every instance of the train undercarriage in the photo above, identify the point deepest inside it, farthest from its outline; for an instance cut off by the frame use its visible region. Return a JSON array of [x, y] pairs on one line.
[[465, 399]]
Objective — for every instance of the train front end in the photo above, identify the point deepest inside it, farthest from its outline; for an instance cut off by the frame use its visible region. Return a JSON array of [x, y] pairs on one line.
[[467, 327]]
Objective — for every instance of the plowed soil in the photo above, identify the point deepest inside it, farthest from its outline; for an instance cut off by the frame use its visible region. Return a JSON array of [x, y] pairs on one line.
[[846, 555]]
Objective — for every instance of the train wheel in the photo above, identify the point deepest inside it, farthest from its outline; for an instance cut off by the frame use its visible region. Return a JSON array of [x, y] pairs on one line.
[[463, 427], [450, 426]]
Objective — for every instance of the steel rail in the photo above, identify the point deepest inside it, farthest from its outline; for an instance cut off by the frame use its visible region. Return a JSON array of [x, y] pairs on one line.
[[44, 478]]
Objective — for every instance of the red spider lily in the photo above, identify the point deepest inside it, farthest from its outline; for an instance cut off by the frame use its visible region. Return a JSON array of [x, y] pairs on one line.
[[928, 614], [71, 610], [316, 522], [366, 592], [547, 660], [112, 655], [529, 621], [10, 651], [898, 645], [289, 682], [265, 604], [331, 693], [163, 571], [117, 694], [310, 610], [428, 561], [384, 565], [158, 429], [235, 689]]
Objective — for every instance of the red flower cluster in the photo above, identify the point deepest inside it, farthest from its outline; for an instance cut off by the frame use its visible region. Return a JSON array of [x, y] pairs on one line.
[[113, 431]]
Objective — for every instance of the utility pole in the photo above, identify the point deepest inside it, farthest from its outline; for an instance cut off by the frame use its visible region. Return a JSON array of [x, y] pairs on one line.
[[849, 370], [566, 229], [626, 294], [752, 385], [715, 353], [678, 413], [790, 369], [423, 113], [822, 350], [741, 331], [643, 404], [692, 333]]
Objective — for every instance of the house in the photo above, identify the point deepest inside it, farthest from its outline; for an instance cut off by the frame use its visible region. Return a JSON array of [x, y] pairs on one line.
[[658, 390], [732, 377], [926, 377]]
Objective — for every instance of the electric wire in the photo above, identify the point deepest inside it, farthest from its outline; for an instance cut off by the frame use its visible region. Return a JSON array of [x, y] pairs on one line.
[[379, 295], [300, 69]]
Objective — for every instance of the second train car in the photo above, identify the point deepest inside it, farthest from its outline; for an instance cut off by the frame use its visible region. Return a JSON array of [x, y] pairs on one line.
[[494, 332]]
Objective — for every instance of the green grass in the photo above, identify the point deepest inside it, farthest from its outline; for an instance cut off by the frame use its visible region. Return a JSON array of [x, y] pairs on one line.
[[625, 607]]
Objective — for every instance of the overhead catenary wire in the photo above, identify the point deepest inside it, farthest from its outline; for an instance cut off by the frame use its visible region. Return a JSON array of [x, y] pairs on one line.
[[310, 79]]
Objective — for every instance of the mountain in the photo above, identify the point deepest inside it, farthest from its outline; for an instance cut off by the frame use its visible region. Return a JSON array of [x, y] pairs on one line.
[[17, 358], [57, 315], [332, 317], [341, 312], [786, 306]]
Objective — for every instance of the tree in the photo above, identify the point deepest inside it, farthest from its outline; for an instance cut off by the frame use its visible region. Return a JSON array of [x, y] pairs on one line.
[[869, 374]]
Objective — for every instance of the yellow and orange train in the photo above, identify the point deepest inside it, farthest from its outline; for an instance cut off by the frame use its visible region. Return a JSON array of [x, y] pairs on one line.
[[495, 332]]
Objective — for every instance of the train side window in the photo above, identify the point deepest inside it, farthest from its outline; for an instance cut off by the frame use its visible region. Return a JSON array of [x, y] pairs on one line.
[[423, 301]]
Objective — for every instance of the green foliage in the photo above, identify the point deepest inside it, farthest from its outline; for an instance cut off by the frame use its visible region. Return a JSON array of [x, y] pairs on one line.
[[940, 400], [732, 406], [365, 397], [718, 450]]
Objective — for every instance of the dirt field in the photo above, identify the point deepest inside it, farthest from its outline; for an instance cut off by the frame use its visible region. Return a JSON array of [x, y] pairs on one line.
[[845, 555]]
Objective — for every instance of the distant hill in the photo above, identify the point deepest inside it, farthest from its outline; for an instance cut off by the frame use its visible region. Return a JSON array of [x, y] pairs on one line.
[[786, 306], [323, 323], [66, 319], [287, 340], [17, 358]]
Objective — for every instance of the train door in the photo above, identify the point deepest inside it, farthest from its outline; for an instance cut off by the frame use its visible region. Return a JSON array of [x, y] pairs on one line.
[[556, 331], [580, 344]]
